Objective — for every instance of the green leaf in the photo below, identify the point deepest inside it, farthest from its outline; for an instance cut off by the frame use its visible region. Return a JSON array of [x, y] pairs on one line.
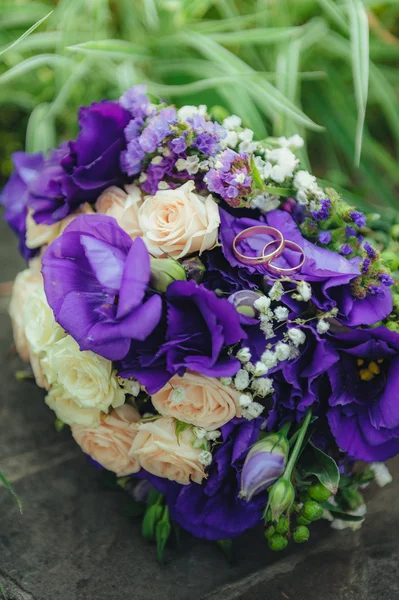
[[48, 60], [162, 533], [26, 33], [110, 48], [8, 486], [152, 515], [316, 462], [338, 514], [226, 547], [280, 191], [180, 427], [256, 175]]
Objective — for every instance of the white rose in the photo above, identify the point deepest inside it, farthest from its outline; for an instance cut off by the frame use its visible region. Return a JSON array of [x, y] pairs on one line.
[[41, 329], [88, 379], [68, 411], [179, 222]]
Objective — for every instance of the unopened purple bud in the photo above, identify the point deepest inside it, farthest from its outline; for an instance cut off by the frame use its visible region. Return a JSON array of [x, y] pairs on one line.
[[386, 279], [345, 250], [325, 237], [358, 218], [264, 464]]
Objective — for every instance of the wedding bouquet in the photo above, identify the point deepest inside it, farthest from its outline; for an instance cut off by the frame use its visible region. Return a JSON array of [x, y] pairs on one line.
[[214, 326]]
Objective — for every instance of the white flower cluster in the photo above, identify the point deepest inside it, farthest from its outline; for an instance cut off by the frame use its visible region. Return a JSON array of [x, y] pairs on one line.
[[307, 188], [238, 136]]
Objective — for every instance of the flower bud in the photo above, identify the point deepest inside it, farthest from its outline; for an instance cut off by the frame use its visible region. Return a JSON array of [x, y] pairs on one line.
[[302, 521], [264, 464], [281, 497], [277, 542], [270, 532], [283, 525], [165, 271], [194, 269], [319, 493], [300, 534], [312, 510]]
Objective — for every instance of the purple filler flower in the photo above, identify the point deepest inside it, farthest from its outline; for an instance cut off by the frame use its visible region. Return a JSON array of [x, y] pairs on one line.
[[96, 281], [358, 218], [79, 171], [15, 195], [364, 413], [324, 237], [231, 179], [213, 510], [199, 328]]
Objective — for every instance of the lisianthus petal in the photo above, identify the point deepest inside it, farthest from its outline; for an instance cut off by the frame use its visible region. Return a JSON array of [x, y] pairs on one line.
[[136, 275], [107, 262]]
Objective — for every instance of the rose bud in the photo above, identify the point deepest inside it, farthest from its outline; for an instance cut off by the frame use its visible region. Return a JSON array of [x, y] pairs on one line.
[[194, 269], [264, 464], [165, 271]]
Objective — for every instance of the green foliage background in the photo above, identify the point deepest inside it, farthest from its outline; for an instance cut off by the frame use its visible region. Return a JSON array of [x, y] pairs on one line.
[[327, 69]]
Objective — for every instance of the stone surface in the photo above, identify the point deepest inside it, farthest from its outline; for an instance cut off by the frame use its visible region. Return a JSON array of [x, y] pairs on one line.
[[74, 540]]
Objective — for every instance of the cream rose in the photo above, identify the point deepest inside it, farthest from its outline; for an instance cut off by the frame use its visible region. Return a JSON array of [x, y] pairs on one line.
[[115, 202], [88, 379], [41, 329], [67, 409], [39, 234], [199, 400], [109, 444], [160, 453], [25, 284], [179, 222]]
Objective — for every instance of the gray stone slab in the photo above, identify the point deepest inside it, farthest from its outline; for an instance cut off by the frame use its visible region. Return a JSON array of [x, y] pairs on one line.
[[74, 540]]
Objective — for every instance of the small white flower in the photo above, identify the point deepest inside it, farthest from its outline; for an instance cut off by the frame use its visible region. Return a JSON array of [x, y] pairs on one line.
[[249, 367], [262, 386], [199, 432], [322, 326], [163, 185], [143, 178], [304, 290], [245, 400], [253, 411], [180, 164], [246, 135], [213, 435], [276, 292], [283, 351], [205, 458], [285, 163], [192, 163], [354, 525], [166, 152], [230, 140], [302, 198], [248, 147], [269, 359], [260, 369], [265, 202], [156, 160], [178, 395], [262, 304], [226, 380], [239, 178], [244, 355], [204, 165], [232, 122], [381, 473], [297, 336], [295, 141], [281, 313], [241, 380], [185, 112], [131, 386], [267, 329], [303, 180], [218, 164]]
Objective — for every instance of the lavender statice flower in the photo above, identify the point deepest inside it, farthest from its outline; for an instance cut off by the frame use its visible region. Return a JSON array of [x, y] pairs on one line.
[[371, 253], [136, 101], [230, 178], [350, 231], [345, 250], [376, 290], [157, 129], [386, 279], [324, 237], [365, 266], [324, 211], [358, 218], [178, 145]]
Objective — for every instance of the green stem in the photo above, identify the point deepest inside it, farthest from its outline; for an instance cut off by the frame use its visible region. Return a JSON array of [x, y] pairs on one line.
[[298, 445], [285, 428]]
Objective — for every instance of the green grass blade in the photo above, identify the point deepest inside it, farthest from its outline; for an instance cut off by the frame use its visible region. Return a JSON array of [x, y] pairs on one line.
[[40, 133], [110, 49], [25, 35], [49, 60], [8, 486]]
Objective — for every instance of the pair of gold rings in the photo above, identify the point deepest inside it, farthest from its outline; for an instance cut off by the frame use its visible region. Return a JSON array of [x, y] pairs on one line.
[[266, 259]]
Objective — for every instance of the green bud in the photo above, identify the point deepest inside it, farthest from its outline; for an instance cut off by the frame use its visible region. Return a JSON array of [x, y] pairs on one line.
[[390, 258], [270, 532], [392, 325], [352, 497], [312, 510], [283, 525], [281, 497], [302, 521], [395, 232], [165, 271], [300, 534], [277, 542], [319, 492], [150, 520]]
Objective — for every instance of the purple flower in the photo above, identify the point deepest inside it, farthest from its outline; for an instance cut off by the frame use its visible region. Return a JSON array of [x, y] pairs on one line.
[[329, 273], [350, 231], [386, 279], [136, 101], [232, 179], [365, 266], [324, 237], [207, 144], [79, 171], [15, 195], [358, 218], [324, 212], [364, 410], [157, 129], [199, 328], [213, 510], [96, 281], [178, 145], [345, 250], [264, 464], [371, 253]]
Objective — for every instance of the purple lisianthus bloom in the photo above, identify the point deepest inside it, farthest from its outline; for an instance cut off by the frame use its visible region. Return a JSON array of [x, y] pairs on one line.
[[364, 406], [329, 273], [200, 327], [96, 281], [77, 172], [15, 195], [213, 509]]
